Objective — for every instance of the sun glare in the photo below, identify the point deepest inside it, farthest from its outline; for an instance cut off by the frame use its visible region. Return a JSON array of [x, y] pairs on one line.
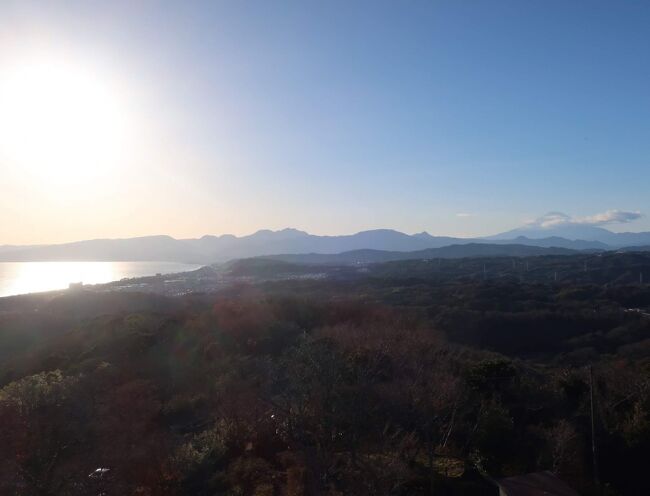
[[59, 122]]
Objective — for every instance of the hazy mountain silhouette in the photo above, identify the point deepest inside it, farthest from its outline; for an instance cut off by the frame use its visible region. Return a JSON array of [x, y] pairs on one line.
[[209, 249], [551, 242], [452, 251], [220, 248], [158, 248], [577, 231]]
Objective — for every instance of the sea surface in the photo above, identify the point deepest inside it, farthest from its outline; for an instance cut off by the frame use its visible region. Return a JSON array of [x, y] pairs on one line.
[[32, 277]]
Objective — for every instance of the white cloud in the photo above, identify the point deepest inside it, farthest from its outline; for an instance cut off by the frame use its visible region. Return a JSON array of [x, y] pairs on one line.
[[611, 217], [554, 219], [463, 214], [551, 219]]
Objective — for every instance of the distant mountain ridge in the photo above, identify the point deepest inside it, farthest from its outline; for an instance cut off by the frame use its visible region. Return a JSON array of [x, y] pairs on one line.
[[451, 251], [576, 231], [210, 249]]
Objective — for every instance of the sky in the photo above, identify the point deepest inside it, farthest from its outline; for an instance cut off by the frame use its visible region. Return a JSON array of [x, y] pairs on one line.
[[458, 117]]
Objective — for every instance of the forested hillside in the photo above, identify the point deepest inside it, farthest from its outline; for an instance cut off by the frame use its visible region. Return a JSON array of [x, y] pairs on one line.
[[376, 386]]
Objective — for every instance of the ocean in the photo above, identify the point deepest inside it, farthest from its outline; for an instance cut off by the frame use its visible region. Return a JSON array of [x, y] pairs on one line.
[[32, 277]]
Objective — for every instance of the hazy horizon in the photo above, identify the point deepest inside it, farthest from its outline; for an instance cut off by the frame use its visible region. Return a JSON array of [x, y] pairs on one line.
[[615, 228], [120, 120]]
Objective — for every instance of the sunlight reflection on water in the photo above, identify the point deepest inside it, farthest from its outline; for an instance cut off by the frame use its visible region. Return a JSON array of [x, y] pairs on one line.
[[31, 277]]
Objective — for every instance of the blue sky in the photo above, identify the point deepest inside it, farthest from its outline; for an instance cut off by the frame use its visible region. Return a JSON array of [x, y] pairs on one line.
[[335, 117]]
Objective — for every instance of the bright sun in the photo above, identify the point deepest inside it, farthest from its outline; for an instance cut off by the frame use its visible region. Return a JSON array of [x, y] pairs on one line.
[[59, 122]]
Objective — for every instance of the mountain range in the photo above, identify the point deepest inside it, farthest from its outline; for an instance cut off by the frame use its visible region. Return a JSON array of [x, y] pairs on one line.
[[576, 230], [210, 249], [367, 256]]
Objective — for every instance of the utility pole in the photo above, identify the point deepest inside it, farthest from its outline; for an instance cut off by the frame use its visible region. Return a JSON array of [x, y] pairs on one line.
[[484, 272], [594, 452]]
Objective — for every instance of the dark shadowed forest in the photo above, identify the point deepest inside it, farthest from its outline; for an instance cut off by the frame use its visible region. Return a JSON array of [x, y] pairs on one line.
[[397, 383]]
